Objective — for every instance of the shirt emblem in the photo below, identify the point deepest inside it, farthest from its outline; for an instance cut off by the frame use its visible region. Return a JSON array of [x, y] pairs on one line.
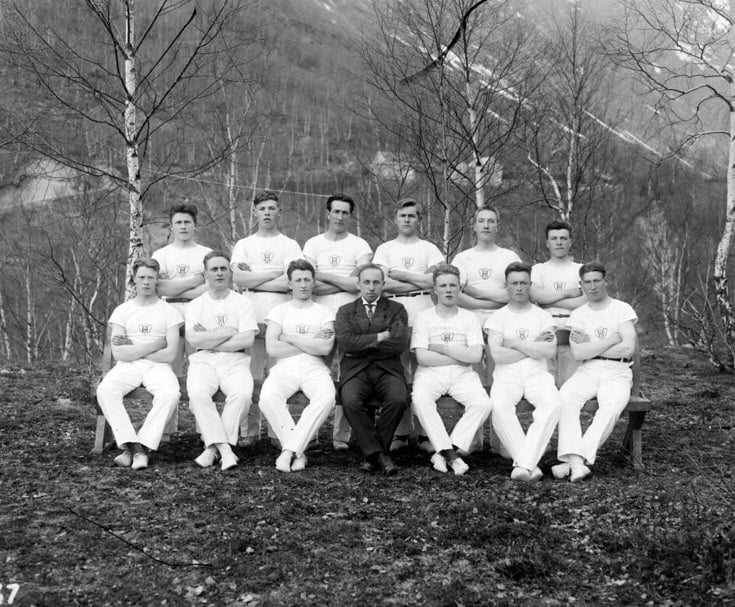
[[447, 336], [182, 269], [302, 329], [485, 273], [145, 329], [407, 262], [523, 334], [334, 260], [559, 285], [221, 319], [601, 332], [267, 256]]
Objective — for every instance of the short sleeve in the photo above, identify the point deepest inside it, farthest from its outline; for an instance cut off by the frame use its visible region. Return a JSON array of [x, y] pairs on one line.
[[292, 252], [193, 309], [248, 322], [275, 315], [381, 256], [310, 249], [458, 262], [420, 333], [537, 276], [238, 252], [434, 255], [363, 248], [173, 316], [474, 330], [118, 316]]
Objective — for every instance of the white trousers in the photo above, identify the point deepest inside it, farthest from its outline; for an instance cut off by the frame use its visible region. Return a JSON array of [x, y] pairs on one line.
[[159, 379], [463, 385], [283, 380], [611, 383], [526, 378], [230, 372]]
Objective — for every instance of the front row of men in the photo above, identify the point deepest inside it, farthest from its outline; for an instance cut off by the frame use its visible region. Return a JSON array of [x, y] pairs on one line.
[[372, 333]]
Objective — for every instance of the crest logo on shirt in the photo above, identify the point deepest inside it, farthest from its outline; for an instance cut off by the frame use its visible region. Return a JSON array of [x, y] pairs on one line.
[[182, 269], [447, 336], [485, 273], [145, 329], [334, 260], [267, 256], [221, 319], [407, 262], [523, 334], [559, 285], [302, 329], [601, 332]]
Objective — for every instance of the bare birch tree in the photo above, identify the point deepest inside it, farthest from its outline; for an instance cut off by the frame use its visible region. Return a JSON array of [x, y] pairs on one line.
[[682, 52]]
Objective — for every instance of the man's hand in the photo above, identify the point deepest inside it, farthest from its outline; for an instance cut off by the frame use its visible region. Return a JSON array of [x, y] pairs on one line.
[[578, 336], [546, 336], [199, 327], [324, 334], [121, 340], [243, 266]]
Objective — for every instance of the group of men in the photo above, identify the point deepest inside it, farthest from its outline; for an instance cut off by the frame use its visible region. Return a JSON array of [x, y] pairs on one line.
[[371, 313]]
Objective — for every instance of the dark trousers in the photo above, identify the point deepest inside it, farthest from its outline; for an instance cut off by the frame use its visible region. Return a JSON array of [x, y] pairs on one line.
[[362, 395]]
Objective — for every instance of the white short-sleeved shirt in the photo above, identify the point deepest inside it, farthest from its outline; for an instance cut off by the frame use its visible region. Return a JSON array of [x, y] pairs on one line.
[[337, 257], [145, 324], [234, 311], [181, 262], [295, 320], [264, 253], [556, 277], [600, 324], [416, 256], [429, 328], [483, 269], [526, 326]]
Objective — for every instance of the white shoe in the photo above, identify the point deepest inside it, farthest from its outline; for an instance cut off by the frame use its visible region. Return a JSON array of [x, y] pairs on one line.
[[283, 462], [229, 460], [439, 463], [124, 459], [459, 466], [340, 445], [520, 474], [398, 443], [561, 471], [206, 458], [425, 445], [536, 475], [140, 461], [579, 473], [298, 464]]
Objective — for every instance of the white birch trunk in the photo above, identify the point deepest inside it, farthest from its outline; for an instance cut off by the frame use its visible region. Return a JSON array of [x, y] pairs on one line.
[[4, 329], [135, 245]]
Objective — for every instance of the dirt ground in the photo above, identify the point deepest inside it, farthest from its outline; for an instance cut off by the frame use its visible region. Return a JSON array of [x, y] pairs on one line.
[[78, 531]]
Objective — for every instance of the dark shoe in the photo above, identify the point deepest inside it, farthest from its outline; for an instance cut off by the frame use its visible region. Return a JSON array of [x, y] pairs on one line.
[[387, 465], [367, 466]]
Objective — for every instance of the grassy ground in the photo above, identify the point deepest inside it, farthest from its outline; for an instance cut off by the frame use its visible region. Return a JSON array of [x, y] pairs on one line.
[[78, 531]]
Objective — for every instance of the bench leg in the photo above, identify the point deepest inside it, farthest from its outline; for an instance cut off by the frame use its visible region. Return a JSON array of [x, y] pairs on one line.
[[103, 438], [633, 441]]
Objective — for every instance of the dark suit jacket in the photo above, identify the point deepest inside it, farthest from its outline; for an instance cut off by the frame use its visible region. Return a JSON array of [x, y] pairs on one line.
[[355, 335]]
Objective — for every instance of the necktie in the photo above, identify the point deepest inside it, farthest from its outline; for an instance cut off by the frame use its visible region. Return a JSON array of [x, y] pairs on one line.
[[369, 310]]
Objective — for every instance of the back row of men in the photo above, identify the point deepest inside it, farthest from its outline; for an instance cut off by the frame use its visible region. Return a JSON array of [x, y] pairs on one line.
[[334, 292]]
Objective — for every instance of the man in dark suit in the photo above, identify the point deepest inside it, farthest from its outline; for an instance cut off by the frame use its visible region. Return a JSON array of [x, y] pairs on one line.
[[372, 332]]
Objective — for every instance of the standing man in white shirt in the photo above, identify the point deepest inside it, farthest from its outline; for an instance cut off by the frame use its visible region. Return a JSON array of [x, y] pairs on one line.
[[300, 333], [555, 287], [221, 327], [145, 341], [336, 254], [408, 262], [182, 271], [603, 339], [522, 338], [259, 263], [447, 341], [482, 268]]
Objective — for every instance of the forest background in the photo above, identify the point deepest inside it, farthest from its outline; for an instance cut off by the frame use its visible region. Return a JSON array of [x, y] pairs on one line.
[[536, 107]]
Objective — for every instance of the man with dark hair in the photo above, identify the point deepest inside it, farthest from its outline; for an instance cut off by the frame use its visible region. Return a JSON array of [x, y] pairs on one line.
[[221, 327], [603, 339], [372, 332], [300, 333], [145, 341], [335, 255], [182, 274], [259, 261], [521, 338], [447, 341], [482, 267], [555, 288]]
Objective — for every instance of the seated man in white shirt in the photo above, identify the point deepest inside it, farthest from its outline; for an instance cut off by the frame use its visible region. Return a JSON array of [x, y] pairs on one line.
[[299, 334], [447, 341], [555, 288], [521, 338], [221, 326], [182, 274], [145, 341], [603, 339]]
